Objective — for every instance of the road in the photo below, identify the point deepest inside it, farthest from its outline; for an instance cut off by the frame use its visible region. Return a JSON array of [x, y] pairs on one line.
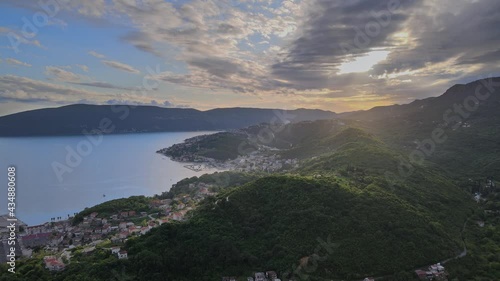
[[459, 256], [464, 252]]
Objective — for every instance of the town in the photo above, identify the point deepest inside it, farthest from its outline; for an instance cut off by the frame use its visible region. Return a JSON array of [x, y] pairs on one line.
[[260, 158], [62, 238]]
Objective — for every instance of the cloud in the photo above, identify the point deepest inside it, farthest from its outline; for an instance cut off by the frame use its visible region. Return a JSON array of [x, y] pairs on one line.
[[205, 35], [22, 89], [17, 62], [113, 64], [236, 75], [26, 90], [464, 32], [62, 75], [430, 45], [83, 67], [16, 38], [88, 9], [96, 54], [142, 42], [299, 48], [335, 32], [103, 85], [57, 73], [167, 104], [121, 66]]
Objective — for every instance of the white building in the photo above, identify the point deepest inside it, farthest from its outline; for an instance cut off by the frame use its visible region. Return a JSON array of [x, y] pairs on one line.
[[122, 255]]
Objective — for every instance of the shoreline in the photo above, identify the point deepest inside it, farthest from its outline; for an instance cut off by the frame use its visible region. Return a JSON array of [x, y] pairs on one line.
[[140, 172]]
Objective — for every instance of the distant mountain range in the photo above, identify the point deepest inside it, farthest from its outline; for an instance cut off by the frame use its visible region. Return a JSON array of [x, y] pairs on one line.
[[407, 119], [466, 118], [466, 115], [80, 119], [486, 92]]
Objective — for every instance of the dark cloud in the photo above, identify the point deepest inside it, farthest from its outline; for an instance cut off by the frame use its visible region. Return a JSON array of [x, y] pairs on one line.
[[490, 57], [431, 45], [215, 66], [103, 85], [141, 41], [470, 35], [225, 28], [334, 30]]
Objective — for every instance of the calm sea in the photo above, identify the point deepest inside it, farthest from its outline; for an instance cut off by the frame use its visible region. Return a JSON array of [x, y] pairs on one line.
[[118, 166]]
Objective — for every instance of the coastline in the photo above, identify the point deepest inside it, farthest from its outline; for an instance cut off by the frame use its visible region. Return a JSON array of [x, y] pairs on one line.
[[140, 171]]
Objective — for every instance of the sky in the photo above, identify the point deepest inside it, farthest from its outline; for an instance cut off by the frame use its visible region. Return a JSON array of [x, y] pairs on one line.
[[329, 54]]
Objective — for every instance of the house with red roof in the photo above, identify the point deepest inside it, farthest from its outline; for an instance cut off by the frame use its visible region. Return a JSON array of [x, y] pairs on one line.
[[53, 264]]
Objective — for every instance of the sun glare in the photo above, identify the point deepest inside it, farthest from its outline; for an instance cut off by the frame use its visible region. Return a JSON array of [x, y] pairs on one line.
[[363, 63]]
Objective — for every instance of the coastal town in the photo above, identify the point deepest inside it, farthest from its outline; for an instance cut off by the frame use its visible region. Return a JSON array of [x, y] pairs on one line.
[[259, 158], [256, 162], [62, 238]]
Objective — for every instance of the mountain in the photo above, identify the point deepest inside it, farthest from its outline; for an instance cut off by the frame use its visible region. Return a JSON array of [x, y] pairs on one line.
[[79, 119], [335, 218], [341, 197], [466, 117], [484, 91], [279, 221], [338, 215]]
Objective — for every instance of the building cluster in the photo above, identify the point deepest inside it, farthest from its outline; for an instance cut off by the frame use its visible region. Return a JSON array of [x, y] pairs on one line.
[[258, 161], [258, 276], [121, 254], [177, 208], [173, 209], [262, 159], [481, 188], [63, 234], [60, 236], [434, 272]]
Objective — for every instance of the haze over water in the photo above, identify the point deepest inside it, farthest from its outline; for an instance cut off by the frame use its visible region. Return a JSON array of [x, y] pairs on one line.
[[120, 166]]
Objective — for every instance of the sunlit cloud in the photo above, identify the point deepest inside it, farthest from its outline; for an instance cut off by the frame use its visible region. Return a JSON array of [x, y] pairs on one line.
[[363, 63]]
